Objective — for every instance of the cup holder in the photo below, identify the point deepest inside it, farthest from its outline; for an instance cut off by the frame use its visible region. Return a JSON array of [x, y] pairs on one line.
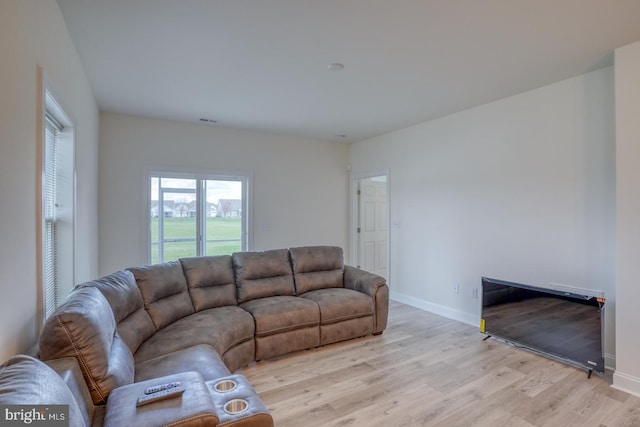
[[225, 386], [236, 406]]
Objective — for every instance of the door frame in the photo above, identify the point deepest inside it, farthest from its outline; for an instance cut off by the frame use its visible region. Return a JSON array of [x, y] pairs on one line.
[[353, 215]]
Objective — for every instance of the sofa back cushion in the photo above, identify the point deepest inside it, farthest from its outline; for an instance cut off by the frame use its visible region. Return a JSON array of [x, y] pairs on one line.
[[84, 327], [164, 292], [317, 267], [28, 381], [263, 274], [121, 291], [210, 280]]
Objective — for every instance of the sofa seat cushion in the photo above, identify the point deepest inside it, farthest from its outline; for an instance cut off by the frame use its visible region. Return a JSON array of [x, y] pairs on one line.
[[339, 304], [279, 314], [240, 355], [221, 328], [28, 381], [201, 358]]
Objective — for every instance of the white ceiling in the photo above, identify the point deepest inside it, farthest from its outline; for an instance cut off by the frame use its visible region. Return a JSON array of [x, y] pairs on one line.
[[262, 64]]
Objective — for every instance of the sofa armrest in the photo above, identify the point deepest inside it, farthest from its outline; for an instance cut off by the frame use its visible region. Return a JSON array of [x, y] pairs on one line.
[[70, 372], [376, 287], [25, 380], [194, 408]]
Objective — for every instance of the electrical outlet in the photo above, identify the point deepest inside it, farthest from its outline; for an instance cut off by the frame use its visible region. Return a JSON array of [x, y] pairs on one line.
[[456, 288]]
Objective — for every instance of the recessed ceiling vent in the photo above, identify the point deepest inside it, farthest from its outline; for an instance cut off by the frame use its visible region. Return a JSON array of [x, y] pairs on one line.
[[208, 120]]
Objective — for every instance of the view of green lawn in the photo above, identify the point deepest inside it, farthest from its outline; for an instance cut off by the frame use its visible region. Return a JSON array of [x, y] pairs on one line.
[[223, 236]]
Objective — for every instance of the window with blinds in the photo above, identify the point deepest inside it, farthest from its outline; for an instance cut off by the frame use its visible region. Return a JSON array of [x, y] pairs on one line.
[[50, 280], [57, 216]]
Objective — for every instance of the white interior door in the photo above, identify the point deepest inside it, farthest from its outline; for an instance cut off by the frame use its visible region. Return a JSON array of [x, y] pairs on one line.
[[372, 227]]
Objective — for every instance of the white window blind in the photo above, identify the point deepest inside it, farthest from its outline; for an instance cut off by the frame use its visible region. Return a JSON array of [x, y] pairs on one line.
[[51, 279]]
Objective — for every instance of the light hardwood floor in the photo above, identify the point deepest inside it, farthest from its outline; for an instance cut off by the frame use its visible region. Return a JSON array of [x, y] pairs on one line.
[[426, 370]]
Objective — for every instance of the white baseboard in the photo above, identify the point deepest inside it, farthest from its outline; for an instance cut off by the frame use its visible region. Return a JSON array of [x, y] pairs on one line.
[[627, 383], [440, 310]]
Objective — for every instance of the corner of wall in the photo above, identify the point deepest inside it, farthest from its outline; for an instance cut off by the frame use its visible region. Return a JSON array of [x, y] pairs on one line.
[[439, 309], [627, 383]]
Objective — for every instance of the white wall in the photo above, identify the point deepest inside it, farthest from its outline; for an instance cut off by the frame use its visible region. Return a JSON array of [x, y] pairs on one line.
[[522, 189], [627, 95], [300, 187], [33, 33]]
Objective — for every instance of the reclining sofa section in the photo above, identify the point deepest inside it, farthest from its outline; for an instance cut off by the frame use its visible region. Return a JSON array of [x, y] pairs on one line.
[[212, 315]]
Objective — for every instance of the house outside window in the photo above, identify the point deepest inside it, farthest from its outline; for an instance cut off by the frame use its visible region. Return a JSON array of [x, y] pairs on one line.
[[196, 215]]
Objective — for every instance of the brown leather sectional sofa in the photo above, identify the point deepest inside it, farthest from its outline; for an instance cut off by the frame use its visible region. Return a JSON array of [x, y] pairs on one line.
[[196, 321]]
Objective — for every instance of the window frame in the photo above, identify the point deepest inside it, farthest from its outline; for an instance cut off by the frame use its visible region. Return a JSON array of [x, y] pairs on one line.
[[200, 176], [50, 104]]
